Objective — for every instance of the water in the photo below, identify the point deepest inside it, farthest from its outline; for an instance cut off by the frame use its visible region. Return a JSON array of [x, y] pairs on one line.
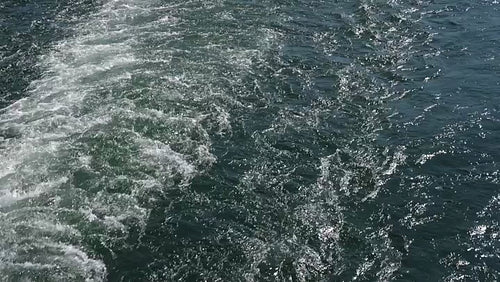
[[152, 140]]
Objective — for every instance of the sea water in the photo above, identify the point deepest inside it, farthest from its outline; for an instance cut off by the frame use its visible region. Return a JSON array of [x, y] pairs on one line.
[[154, 140]]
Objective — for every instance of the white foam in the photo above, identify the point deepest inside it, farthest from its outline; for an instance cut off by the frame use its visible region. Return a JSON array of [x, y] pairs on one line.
[[43, 124], [79, 97], [426, 157]]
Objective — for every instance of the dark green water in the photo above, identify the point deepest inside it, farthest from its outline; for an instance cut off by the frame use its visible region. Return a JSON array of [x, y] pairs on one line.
[[153, 140]]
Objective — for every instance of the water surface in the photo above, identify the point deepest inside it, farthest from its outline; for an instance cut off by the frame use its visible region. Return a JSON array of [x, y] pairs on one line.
[[153, 140]]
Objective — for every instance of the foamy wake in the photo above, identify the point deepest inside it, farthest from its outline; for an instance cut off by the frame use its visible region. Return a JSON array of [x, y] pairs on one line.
[[94, 146], [56, 199]]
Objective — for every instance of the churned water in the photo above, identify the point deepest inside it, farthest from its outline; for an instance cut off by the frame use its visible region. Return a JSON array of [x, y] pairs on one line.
[[154, 140]]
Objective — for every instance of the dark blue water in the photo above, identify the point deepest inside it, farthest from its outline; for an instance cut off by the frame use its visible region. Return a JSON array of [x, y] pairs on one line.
[[153, 140]]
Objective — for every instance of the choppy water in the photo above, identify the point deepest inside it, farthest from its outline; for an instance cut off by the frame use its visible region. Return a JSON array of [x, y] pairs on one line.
[[153, 140]]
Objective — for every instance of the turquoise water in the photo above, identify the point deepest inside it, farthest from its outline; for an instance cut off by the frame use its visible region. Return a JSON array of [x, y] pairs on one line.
[[153, 140]]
